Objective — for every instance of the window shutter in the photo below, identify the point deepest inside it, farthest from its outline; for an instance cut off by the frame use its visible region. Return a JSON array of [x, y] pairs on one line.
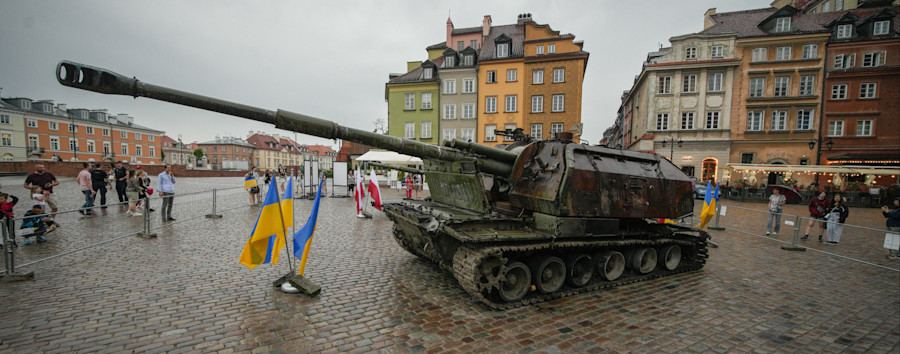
[[881, 58], [852, 60]]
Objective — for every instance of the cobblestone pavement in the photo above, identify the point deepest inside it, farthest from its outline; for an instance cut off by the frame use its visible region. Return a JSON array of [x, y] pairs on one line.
[[186, 291]]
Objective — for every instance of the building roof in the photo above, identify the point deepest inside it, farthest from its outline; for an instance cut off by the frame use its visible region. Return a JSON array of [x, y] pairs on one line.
[[263, 141], [516, 34], [466, 30], [441, 45], [416, 74], [56, 112], [746, 24], [166, 140], [227, 141], [321, 150]]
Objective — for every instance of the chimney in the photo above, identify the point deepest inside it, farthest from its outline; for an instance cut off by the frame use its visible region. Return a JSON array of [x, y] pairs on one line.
[[449, 32], [707, 18], [523, 18], [486, 26]]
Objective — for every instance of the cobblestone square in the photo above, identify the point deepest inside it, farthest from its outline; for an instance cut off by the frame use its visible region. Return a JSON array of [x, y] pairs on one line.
[[186, 292]]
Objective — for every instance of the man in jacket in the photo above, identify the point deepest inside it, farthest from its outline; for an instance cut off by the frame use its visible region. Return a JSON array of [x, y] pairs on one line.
[[166, 187], [121, 175]]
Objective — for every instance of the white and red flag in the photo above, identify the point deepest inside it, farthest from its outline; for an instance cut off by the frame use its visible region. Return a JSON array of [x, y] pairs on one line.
[[360, 193], [375, 190]]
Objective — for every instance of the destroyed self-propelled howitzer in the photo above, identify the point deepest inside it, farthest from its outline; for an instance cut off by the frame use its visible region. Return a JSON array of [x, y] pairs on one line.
[[531, 222]]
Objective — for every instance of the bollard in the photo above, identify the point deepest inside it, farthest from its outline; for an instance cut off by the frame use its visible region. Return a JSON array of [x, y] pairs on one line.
[[718, 213], [9, 236], [146, 233], [793, 246], [214, 215]]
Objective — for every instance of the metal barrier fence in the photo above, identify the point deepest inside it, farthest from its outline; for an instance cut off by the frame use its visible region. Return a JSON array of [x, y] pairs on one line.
[[77, 232], [856, 243]]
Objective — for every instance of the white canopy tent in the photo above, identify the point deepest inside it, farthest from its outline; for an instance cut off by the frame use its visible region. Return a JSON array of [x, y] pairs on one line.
[[390, 158]]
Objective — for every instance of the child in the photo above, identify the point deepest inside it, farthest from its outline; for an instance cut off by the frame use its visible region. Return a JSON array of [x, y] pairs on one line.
[[38, 197], [41, 224], [6, 206]]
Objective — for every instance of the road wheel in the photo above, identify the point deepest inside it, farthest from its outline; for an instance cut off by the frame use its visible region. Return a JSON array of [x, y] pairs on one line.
[[515, 282], [579, 269], [670, 257], [549, 274], [610, 265], [644, 260]]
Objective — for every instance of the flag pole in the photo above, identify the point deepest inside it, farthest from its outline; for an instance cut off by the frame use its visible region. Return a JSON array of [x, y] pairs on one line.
[[281, 215], [302, 266]]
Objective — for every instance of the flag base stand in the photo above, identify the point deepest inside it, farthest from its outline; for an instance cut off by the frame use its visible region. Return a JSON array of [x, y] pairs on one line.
[[213, 216], [717, 228], [17, 276], [793, 248], [364, 215], [146, 235], [300, 283]]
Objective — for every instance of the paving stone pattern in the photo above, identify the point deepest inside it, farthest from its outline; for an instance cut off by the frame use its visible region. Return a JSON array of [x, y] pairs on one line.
[[186, 292]]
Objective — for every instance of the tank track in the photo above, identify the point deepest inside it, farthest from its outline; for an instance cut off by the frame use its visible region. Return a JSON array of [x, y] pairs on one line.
[[468, 258]]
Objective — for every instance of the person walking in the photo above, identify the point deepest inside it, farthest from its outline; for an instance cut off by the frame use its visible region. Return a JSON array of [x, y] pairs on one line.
[[776, 206], [254, 191], [121, 175], [87, 188], [836, 216], [99, 181], [818, 207], [165, 184], [45, 180], [143, 181], [892, 216], [132, 189]]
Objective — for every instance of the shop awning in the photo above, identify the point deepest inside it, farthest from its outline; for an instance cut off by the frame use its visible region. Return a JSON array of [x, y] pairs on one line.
[[863, 170], [872, 157]]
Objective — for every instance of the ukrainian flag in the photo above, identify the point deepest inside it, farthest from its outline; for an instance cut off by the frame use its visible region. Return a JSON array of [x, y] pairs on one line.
[[709, 204], [303, 238], [249, 182], [287, 203], [267, 236]]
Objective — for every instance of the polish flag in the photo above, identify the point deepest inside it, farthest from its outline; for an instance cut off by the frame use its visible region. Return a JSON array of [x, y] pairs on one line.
[[374, 190], [360, 193]]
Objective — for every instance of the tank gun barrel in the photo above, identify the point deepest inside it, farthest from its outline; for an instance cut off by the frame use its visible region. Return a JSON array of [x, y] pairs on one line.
[[108, 82], [398, 168], [490, 152]]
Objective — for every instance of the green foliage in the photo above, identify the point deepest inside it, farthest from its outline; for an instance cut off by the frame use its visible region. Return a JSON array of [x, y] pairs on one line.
[[329, 174], [198, 153]]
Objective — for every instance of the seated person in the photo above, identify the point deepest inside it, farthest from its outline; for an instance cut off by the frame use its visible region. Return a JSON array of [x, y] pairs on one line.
[[41, 224]]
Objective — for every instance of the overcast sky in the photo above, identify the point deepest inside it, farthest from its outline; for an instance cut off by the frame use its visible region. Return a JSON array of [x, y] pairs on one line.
[[321, 58]]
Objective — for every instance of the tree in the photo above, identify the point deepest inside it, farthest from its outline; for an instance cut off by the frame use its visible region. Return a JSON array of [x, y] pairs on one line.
[[380, 124], [199, 154]]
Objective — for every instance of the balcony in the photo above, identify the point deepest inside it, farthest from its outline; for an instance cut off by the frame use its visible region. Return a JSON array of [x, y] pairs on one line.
[[35, 151]]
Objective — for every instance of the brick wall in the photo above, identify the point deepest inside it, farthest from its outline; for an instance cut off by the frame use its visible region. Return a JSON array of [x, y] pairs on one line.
[[71, 169]]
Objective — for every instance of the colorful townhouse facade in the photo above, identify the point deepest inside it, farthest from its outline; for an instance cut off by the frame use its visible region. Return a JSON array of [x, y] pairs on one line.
[[413, 103], [275, 152]]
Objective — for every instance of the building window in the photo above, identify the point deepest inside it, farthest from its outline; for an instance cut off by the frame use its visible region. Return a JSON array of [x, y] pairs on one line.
[[759, 54], [836, 128], [449, 87], [690, 53], [537, 104], [90, 146], [468, 85], [139, 150], [510, 75], [474, 44], [717, 51], [687, 120], [105, 131], [468, 60], [490, 105], [32, 123], [662, 121], [804, 119], [468, 110], [150, 137], [779, 120], [73, 128], [714, 82], [863, 128], [449, 111], [426, 100], [838, 5], [32, 141], [89, 130], [73, 144], [559, 75], [6, 138], [468, 134], [54, 143], [556, 128], [690, 83], [449, 134], [874, 59], [755, 121], [551, 48], [867, 90], [844, 31], [540, 49], [826, 6], [491, 76], [881, 27], [489, 132], [502, 50], [781, 86], [459, 46], [509, 127], [806, 85], [559, 103], [782, 24], [537, 131], [123, 134], [410, 132], [783, 53], [757, 86], [709, 170], [410, 102], [106, 148], [510, 103], [712, 120], [537, 77], [137, 136], [427, 74], [665, 84], [747, 157], [842, 61], [810, 51], [426, 129], [4, 119]]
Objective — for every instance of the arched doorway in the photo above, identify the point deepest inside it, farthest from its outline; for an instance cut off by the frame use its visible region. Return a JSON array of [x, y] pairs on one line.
[[709, 167], [776, 177]]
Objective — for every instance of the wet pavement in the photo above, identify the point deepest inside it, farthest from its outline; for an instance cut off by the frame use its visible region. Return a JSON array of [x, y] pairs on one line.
[[185, 291]]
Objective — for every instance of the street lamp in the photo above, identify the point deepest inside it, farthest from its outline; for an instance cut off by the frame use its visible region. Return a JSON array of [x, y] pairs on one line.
[[671, 142]]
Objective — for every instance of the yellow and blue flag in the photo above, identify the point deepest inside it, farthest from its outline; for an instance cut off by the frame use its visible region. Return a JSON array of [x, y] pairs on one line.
[[267, 236], [303, 238], [709, 204], [287, 203], [249, 182]]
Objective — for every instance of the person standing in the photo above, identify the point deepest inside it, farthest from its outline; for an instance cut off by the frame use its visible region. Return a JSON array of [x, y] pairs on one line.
[[818, 207], [776, 206], [133, 190], [836, 217], [121, 176], [254, 191], [45, 180], [99, 179], [87, 188], [166, 186], [892, 216]]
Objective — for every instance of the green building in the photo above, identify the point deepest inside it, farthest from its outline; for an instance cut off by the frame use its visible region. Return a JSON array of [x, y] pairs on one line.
[[413, 103]]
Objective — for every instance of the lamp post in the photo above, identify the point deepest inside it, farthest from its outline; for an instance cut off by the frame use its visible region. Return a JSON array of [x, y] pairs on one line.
[[812, 146], [671, 142]]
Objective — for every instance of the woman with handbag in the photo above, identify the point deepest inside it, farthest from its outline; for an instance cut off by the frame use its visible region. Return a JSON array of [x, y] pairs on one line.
[[837, 214]]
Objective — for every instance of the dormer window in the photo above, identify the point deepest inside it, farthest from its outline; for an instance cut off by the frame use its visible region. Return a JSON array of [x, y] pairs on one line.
[[468, 60], [880, 28], [449, 62], [690, 53], [717, 51], [427, 74], [46, 107], [502, 50], [782, 24], [844, 31], [26, 104], [84, 114]]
